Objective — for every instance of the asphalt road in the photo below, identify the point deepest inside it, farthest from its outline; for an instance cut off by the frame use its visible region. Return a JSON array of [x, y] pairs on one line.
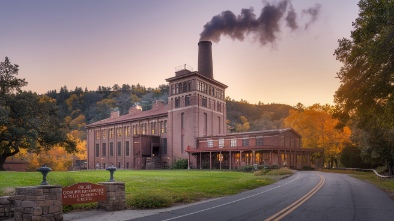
[[303, 196]]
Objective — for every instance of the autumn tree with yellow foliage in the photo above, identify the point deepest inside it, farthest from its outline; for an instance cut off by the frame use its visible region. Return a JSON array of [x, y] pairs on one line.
[[317, 128], [57, 158]]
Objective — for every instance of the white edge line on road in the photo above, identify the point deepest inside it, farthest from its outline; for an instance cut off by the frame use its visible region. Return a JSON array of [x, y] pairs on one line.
[[199, 211]]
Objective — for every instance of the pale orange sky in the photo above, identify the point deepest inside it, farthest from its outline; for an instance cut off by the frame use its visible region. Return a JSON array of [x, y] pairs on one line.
[[102, 43]]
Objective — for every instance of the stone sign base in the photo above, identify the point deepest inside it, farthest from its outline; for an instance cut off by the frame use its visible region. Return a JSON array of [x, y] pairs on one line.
[[38, 203], [116, 196]]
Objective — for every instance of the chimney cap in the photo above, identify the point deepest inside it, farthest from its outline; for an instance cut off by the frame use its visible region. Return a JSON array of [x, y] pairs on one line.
[[205, 42]]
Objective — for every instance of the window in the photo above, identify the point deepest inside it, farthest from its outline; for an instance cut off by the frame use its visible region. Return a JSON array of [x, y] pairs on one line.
[[127, 148], [111, 133], [221, 142], [180, 88], [111, 149], [97, 150], [104, 150], [176, 88], [187, 100], [219, 107], [164, 146], [161, 127], [104, 133], [189, 85], [204, 102], [184, 86], [259, 141], [172, 89], [119, 132], [152, 127], [233, 142], [145, 129], [245, 142], [177, 102], [210, 143], [97, 134], [135, 128], [119, 149], [165, 126], [127, 131]]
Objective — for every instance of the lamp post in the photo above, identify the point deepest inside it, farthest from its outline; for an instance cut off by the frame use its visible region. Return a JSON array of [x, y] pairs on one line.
[[111, 170], [101, 165], [44, 171]]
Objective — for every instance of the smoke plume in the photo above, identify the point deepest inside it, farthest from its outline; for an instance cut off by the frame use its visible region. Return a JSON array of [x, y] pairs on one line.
[[265, 28]]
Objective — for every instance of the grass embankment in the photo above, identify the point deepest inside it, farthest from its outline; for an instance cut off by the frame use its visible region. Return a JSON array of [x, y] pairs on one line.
[[153, 188], [385, 184]]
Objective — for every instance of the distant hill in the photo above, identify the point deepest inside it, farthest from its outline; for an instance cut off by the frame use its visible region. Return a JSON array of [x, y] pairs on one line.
[[80, 107], [260, 116]]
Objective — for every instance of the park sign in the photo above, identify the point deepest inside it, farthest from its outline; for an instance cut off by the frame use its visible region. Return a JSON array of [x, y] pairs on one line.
[[83, 193]]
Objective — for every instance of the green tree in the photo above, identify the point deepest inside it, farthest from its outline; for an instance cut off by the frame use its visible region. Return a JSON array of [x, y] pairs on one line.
[[27, 121], [32, 123], [8, 80], [365, 96]]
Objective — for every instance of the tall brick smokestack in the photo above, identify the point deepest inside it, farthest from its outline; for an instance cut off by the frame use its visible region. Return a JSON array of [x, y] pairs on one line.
[[205, 66]]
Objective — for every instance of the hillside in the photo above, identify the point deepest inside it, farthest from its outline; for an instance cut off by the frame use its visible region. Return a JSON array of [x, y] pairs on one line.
[[80, 107]]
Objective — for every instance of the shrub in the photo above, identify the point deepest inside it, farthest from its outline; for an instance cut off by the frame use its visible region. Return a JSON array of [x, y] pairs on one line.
[[247, 168], [180, 164], [275, 167], [282, 171], [262, 171], [307, 168], [150, 201]]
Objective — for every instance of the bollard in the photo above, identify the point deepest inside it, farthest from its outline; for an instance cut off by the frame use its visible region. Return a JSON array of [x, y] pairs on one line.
[[111, 170], [44, 171]]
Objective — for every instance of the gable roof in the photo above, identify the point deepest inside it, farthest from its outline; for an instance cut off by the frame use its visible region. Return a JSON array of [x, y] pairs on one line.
[[161, 111]]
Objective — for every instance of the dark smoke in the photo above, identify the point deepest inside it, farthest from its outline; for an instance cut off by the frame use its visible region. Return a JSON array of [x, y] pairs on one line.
[[264, 28], [313, 12]]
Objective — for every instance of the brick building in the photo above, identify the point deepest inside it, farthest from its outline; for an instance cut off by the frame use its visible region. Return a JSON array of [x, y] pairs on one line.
[[191, 126]]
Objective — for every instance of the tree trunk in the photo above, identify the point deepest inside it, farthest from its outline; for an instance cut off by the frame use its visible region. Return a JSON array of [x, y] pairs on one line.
[[391, 168], [3, 157]]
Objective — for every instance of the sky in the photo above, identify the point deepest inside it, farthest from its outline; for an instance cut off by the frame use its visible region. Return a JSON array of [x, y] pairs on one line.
[[90, 43]]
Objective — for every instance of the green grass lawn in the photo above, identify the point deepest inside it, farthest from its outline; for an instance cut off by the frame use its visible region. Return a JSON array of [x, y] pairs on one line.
[[150, 188]]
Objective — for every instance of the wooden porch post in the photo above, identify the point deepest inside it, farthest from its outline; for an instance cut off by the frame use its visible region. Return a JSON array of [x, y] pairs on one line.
[[240, 158], [200, 161], [210, 160], [220, 160], [253, 157], [188, 162], [231, 159]]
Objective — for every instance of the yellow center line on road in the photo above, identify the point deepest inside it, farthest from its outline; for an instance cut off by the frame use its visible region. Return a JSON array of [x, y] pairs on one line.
[[297, 203]]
